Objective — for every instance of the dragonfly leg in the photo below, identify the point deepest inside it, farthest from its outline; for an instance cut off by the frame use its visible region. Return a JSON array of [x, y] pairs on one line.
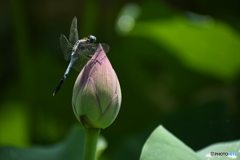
[[97, 61]]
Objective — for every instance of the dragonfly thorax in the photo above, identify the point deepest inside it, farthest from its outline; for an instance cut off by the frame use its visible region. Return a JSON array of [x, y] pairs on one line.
[[76, 45]]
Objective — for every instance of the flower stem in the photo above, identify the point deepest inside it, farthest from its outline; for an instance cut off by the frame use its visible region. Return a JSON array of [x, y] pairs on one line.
[[90, 143]]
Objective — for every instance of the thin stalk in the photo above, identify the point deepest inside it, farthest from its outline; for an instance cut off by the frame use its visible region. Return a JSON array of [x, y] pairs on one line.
[[90, 143]]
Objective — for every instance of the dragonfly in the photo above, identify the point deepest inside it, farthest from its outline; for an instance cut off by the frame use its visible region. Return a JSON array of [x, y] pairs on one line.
[[78, 51]]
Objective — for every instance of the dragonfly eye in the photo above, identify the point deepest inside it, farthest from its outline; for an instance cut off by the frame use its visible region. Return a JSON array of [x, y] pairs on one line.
[[91, 39]]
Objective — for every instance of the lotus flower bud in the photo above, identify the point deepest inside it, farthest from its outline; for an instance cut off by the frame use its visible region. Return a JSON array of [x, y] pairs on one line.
[[97, 95]]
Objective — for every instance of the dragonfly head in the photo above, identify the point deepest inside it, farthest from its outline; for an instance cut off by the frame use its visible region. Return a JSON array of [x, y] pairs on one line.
[[91, 39]]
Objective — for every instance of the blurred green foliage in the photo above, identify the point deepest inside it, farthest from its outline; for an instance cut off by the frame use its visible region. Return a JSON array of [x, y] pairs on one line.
[[209, 46], [69, 148], [177, 63]]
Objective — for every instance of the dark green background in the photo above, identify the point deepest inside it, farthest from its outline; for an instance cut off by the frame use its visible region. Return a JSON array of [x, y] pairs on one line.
[[178, 66]]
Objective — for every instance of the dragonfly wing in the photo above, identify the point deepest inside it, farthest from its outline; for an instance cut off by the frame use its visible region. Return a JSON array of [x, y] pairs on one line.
[[105, 47], [79, 63], [88, 49], [73, 37], [85, 52], [66, 47]]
